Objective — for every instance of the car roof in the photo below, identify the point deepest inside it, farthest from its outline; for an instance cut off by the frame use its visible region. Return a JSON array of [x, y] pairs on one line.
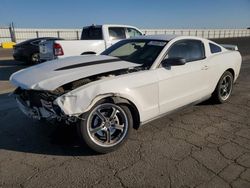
[[157, 37], [35, 39], [41, 38], [109, 25]]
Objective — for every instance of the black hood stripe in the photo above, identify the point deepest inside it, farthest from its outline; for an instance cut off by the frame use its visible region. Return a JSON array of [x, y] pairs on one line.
[[88, 64]]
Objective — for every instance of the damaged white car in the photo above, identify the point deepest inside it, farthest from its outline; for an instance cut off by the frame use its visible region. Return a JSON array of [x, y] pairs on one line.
[[129, 84]]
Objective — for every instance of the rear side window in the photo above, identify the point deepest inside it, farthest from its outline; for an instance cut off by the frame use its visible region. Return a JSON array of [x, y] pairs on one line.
[[36, 42], [214, 48], [191, 50], [92, 33], [116, 33]]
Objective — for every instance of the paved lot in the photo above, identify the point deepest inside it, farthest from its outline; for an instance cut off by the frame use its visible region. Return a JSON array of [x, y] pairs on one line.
[[5, 54], [202, 146]]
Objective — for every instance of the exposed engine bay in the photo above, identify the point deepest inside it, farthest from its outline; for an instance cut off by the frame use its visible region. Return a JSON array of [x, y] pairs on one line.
[[77, 83]]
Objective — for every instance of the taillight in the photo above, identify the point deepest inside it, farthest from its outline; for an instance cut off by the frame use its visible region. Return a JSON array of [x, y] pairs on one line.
[[58, 49]]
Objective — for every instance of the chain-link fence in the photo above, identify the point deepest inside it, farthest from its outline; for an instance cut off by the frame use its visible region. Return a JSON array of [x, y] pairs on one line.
[[21, 34]]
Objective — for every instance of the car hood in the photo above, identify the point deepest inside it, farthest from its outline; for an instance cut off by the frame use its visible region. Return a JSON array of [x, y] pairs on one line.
[[53, 74]]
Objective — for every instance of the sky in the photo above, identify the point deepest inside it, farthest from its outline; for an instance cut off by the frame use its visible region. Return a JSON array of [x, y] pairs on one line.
[[140, 13]]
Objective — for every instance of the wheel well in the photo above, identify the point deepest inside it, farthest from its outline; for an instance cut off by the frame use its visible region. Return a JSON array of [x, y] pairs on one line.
[[134, 111], [86, 53], [231, 71]]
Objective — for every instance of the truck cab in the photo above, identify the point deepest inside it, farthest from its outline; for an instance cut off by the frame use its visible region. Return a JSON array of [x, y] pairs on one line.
[[94, 40]]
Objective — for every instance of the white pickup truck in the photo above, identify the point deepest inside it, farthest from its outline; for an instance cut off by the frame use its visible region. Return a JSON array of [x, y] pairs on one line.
[[94, 40]]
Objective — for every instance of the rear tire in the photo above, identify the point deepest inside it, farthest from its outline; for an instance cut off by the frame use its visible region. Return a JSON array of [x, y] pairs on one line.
[[105, 127], [224, 88]]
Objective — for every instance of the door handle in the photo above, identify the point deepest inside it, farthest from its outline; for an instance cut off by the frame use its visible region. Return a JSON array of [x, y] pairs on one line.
[[204, 67]]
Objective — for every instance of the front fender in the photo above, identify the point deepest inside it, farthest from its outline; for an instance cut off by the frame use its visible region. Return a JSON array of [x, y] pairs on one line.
[[74, 104], [142, 93]]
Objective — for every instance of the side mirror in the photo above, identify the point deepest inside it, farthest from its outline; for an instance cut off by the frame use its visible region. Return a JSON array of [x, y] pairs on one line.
[[173, 62]]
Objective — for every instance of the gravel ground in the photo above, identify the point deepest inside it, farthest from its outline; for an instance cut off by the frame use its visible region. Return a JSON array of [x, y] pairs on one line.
[[201, 146]]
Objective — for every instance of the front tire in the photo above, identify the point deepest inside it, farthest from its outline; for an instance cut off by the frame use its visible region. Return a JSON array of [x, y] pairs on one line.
[[105, 127], [224, 88]]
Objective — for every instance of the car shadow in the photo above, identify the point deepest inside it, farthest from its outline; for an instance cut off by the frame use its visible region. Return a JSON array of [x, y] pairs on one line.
[[66, 138], [8, 67], [11, 62], [19, 133], [207, 102]]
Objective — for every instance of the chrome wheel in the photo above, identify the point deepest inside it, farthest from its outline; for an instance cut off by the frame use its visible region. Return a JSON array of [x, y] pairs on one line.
[[226, 87], [107, 125]]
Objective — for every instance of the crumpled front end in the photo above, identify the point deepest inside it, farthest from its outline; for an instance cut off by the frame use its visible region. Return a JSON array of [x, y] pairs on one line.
[[68, 101], [40, 105]]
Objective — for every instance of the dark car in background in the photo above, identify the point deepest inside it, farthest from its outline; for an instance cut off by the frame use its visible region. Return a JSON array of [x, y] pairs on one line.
[[28, 51]]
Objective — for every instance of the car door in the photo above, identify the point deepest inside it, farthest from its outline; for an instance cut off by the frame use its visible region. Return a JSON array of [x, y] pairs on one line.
[[115, 35], [183, 84]]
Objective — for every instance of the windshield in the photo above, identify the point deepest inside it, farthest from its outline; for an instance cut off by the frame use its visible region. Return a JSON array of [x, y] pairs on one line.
[[143, 52]]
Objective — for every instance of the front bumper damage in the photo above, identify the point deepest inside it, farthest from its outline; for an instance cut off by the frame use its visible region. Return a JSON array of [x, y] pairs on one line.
[[40, 105]]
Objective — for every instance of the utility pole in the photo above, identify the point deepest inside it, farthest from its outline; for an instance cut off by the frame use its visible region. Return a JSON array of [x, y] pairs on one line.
[[12, 32]]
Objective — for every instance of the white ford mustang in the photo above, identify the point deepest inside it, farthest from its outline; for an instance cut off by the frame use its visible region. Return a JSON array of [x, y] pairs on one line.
[[129, 84]]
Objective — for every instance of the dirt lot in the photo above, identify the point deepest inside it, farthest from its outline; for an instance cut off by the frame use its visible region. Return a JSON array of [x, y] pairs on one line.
[[202, 146]]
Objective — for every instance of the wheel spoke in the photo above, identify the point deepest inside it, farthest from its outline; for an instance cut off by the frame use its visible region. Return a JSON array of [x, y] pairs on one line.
[[108, 136], [119, 127], [114, 112], [223, 82], [222, 92], [100, 115], [96, 129]]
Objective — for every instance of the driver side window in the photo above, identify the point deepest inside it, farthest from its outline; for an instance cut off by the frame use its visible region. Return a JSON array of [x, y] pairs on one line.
[[190, 50]]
